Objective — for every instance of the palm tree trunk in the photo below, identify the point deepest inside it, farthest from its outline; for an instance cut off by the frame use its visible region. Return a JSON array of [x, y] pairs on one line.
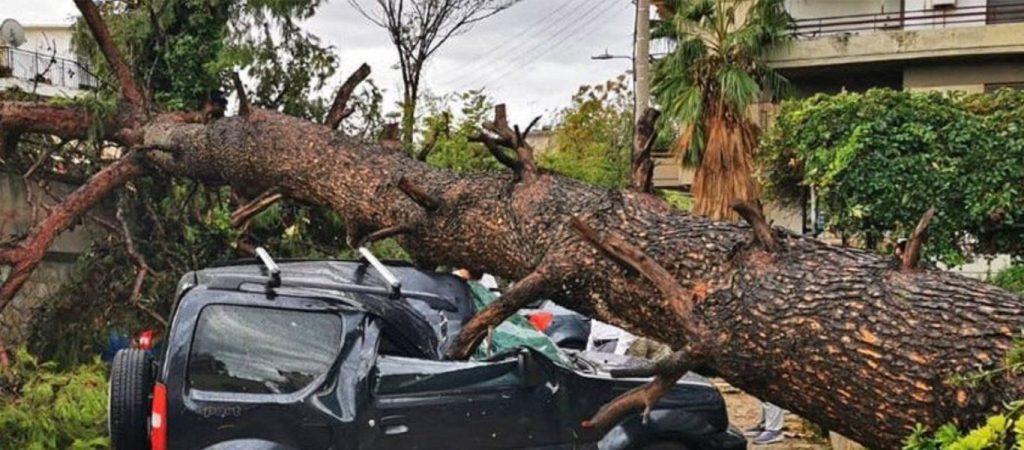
[[726, 171]]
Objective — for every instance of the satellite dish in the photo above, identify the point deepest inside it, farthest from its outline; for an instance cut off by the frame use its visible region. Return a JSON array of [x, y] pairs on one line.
[[11, 33]]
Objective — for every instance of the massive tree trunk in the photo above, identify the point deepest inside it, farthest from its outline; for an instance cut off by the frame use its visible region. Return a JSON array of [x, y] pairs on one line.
[[851, 340]]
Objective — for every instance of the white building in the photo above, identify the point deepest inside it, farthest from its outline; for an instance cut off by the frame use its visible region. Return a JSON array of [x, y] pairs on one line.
[[46, 63]]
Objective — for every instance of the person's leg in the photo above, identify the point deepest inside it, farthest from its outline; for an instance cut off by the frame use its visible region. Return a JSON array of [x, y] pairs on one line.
[[772, 416], [773, 420]]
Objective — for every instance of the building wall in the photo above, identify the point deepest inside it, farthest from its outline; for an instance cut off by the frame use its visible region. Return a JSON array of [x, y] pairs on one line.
[[16, 218], [47, 39], [814, 9], [967, 77]]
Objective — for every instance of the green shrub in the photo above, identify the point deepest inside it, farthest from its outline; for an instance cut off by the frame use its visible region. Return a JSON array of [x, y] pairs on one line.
[[1011, 278], [44, 408], [878, 160]]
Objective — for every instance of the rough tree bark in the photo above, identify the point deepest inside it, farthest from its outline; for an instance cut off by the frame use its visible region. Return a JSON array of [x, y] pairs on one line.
[[846, 338]]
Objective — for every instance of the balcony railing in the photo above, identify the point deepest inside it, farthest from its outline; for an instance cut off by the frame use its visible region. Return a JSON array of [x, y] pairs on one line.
[[45, 69], [910, 20]]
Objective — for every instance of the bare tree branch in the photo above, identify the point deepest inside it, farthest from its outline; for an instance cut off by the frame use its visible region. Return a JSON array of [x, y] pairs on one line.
[[25, 255], [243, 99], [338, 110], [130, 89], [912, 255], [762, 231], [241, 216]]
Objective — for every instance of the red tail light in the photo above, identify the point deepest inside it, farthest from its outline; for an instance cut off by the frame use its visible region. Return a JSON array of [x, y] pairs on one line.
[[158, 418], [541, 320]]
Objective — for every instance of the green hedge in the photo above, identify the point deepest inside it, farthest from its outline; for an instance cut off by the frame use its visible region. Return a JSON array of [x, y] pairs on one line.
[[42, 407], [878, 160]]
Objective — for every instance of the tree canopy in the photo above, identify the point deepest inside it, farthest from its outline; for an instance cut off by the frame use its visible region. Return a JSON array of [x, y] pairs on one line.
[[878, 160]]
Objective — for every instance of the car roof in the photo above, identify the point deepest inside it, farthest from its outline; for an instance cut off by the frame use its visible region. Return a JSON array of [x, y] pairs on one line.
[[436, 292]]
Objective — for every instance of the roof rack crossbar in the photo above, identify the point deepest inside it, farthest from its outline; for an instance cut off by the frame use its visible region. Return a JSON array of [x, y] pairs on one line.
[[271, 267], [393, 283]]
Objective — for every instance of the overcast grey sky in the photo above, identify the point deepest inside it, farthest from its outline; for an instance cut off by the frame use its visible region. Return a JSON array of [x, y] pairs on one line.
[[532, 56]]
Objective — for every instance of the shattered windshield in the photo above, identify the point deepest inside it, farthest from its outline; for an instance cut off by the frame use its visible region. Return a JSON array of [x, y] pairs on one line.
[[253, 350]]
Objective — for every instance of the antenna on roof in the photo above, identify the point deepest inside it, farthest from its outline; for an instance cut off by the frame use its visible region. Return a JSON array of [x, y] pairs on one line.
[[393, 283], [273, 271]]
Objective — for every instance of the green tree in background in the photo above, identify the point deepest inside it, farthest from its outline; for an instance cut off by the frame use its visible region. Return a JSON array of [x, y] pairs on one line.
[[592, 138], [878, 160], [418, 28], [706, 83]]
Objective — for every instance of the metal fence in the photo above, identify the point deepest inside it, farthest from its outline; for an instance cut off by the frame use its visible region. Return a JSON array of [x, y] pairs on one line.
[[45, 69], [910, 20]]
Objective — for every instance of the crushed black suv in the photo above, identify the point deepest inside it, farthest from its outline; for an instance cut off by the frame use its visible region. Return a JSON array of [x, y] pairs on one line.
[[347, 355]]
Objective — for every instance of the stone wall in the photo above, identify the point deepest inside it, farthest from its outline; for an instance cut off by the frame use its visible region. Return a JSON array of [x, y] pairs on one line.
[[16, 218]]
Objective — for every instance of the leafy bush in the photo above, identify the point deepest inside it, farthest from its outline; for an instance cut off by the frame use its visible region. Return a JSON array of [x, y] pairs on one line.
[[878, 160], [1011, 278], [44, 408]]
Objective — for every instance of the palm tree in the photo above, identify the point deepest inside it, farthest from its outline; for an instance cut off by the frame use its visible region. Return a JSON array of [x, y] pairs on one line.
[[714, 73]]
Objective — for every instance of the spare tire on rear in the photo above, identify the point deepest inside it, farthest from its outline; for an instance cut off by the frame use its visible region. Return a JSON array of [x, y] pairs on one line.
[[131, 387]]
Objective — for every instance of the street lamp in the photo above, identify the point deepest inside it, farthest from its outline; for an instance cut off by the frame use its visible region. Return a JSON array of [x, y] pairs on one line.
[[607, 56]]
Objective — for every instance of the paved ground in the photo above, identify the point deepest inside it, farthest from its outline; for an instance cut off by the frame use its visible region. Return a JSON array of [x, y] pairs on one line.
[[745, 412]]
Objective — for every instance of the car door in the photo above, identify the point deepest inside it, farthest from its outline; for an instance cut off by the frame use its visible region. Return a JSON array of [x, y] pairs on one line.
[[425, 404]]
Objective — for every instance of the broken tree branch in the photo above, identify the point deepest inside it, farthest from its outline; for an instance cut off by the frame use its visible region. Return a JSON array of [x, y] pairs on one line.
[[912, 255], [28, 253], [241, 216], [524, 291], [142, 269], [44, 118], [130, 89], [384, 233], [243, 99], [680, 299], [428, 146], [762, 231], [338, 110], [498, 152], [391, 137], [643, 141], [667, 372], [418, 195]]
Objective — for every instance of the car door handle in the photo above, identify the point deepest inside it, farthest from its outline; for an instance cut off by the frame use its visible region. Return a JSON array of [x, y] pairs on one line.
[[393, 425]]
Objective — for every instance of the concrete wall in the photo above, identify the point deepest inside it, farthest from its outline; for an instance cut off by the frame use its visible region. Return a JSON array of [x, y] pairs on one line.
[[900, 46], [16, 218], [967, 77], [46, 39], [814, 9]]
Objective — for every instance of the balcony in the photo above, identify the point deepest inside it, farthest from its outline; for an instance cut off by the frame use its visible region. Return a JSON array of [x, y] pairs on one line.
[[938, 17], [31, 70], [826, 38]]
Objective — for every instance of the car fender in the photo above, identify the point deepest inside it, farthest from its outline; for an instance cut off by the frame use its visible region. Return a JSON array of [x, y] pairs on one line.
[[662, 425], [248, 444]]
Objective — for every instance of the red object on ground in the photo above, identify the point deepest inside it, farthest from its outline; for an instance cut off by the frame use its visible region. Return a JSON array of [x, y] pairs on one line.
[[158, 418], [541, 320]]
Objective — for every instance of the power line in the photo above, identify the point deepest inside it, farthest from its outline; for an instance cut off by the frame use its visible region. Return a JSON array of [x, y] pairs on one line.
[[585, 20], [495, 54], [585, 25]]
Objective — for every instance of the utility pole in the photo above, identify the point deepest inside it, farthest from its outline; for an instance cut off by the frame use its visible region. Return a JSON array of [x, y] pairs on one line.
[[642, 58]]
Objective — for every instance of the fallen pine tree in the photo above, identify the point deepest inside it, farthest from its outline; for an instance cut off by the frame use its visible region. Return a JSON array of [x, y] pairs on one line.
[[862, 344]]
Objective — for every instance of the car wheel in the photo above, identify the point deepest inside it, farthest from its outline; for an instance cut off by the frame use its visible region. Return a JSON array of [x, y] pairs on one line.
[[131, 384], [666, 445]]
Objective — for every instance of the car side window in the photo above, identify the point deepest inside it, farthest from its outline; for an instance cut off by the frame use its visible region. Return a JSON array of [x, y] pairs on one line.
[[401, 375], [241, 349]]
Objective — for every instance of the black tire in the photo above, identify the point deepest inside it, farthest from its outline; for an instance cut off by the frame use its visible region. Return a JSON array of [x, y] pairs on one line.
[[131, 387]]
